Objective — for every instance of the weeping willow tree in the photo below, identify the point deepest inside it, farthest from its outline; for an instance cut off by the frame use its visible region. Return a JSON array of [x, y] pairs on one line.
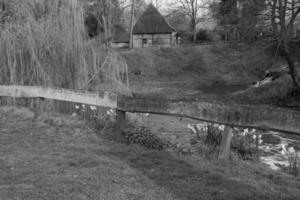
[[44, 43]]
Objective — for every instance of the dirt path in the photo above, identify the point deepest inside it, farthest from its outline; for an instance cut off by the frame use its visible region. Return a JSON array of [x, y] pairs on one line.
[[59, 157]]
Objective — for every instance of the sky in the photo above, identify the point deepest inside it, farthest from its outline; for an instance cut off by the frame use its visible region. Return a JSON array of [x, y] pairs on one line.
[[164, 4]]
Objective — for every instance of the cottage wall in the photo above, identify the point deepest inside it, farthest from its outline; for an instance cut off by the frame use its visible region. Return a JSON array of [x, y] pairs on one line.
[[149, 40]]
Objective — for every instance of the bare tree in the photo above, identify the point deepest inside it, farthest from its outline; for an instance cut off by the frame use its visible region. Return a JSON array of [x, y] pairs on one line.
[[272, 4], [131, 24], [3, 5], [287, 12], [156, 3], [191, 8]]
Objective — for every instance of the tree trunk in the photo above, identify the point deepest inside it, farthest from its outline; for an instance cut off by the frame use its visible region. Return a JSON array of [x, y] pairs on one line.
[[285, 38], [106, 17], [290, 61], [273, 18], [194, 31], [292, 68], [195, 12], [292, 28], [131, 25], [109, 24]]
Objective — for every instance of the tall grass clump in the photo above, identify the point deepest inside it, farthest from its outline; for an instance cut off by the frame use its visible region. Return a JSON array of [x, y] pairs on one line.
[[293, 160], [245, 143], [44, 43]]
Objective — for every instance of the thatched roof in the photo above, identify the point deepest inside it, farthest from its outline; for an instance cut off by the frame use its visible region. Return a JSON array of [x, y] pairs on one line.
[[152, 22], [120, 35]]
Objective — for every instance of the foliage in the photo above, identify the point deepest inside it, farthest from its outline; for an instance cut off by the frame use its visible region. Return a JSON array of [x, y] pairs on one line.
[[143, 136], [248, 20], [287, 11], [207, 138], [293, 159], [191, 8], [100, 120], [101, 15], [239, 20], [125, 5], [178, 20], [203, 35], [245, 142], [97, 118], [225, 12], [210, 134], [46, 44]]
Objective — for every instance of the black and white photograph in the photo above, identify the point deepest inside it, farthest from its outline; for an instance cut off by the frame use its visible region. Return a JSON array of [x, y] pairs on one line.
[[149, 99]]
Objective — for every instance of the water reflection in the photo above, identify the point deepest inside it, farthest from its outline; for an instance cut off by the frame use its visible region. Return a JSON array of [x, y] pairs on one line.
[[272, 148]]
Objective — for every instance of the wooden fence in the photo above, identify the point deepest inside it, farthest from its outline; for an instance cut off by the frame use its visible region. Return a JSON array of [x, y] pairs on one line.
[[231, 115], [105, 99]]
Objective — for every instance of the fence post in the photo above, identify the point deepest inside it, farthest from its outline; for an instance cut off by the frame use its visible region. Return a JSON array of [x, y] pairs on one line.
[[225, 143], [120, 122]]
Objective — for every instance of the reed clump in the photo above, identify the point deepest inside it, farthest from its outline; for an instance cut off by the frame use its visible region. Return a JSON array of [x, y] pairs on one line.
[[45, 43]]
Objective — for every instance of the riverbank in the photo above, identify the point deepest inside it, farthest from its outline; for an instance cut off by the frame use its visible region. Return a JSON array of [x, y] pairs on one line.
[[59, 157]]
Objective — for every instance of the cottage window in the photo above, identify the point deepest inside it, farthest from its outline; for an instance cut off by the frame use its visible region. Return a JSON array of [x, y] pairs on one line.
[[145, 41]]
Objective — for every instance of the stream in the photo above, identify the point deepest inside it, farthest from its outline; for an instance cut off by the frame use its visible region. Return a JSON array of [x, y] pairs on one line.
[[272, 148], [222, 89], [272, 141]]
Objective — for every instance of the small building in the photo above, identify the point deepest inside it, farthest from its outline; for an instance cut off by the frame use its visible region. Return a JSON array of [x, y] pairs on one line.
[[152, 29]]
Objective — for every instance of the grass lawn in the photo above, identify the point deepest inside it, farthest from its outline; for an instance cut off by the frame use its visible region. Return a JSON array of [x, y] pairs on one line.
[[194, 70], [220, 71], [59, 157]]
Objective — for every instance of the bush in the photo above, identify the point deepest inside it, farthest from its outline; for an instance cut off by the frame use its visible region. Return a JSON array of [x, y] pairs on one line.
[[293, 160], [203, 35], [210, 134], [143, 136], [245, 142], [97, 118]]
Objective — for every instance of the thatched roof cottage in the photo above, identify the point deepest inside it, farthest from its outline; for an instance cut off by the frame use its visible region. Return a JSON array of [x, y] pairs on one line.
[[152, 29]]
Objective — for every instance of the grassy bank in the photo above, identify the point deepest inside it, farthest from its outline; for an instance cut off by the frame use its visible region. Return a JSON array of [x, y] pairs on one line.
[[220, 70], [188, 70], [58, 157]]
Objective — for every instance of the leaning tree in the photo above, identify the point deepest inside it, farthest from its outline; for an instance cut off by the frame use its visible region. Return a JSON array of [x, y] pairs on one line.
[[284, 13]]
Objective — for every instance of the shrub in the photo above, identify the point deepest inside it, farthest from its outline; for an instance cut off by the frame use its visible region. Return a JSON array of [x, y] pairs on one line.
[[208, 133], [143, 136], [97, 118], [245, 142], [293, 160], [211, 135], [203, 35]]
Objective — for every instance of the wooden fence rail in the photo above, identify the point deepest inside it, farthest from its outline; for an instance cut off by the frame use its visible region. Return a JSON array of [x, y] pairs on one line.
[[251, 116], [247, 116], [231, 115], [105, 99]]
